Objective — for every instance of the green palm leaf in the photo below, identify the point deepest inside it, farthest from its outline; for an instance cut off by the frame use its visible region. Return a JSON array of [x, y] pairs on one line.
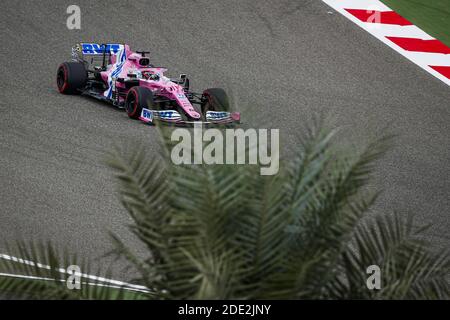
[[224, 231]]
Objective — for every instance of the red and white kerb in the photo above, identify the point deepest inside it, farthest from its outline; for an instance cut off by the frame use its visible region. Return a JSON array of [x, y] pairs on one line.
[[398, 33]]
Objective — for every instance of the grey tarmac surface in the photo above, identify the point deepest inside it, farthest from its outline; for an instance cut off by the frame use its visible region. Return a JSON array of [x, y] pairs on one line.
[[284, 61]]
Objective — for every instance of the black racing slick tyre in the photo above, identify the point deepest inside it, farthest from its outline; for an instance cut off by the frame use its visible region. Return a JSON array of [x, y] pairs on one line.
[[71, 77], [215, 99], [138, 98]]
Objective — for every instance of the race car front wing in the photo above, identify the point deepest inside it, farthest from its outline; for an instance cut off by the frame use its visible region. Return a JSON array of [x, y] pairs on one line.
[[172, 116]]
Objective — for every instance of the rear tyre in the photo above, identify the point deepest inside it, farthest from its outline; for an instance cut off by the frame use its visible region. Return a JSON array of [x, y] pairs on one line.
[[215, 99], [71, 77], [138, 98]]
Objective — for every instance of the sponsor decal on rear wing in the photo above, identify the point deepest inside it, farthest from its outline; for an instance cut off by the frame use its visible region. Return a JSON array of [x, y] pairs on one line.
[[96, 49]]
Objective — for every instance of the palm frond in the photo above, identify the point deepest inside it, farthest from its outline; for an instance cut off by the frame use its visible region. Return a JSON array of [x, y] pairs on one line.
[[408, 268], [225, 231]]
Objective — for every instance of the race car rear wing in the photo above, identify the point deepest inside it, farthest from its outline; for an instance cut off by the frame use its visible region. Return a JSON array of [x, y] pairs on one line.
[[96, 56]]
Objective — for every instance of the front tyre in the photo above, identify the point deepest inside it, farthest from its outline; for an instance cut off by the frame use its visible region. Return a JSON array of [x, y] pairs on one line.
[[71, 77], [215, 99], [138, 98]]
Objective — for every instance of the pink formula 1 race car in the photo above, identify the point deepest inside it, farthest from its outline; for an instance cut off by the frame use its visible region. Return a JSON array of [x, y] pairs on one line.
[[126, 79]]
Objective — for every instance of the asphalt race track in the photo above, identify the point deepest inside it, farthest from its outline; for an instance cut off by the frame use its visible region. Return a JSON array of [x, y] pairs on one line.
[[284, 61]]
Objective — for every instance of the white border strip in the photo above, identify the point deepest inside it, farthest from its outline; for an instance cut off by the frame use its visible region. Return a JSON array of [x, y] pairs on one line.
[[62, 280], [381, 31], [107, 282]]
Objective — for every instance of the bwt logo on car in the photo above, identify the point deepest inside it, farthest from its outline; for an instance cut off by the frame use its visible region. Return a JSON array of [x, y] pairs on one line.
[[167, 114], [94, 48], [218, 115], [147, 114]]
